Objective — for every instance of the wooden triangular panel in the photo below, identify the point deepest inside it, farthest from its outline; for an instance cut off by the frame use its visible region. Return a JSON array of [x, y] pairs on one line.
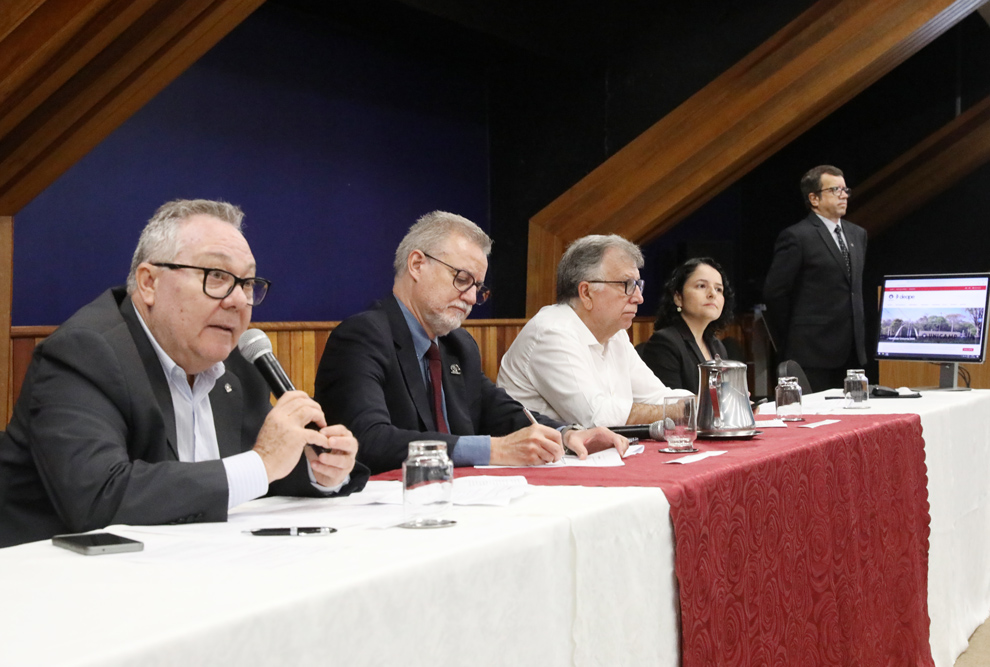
[[925, 171], [72, 71], [812, 66]]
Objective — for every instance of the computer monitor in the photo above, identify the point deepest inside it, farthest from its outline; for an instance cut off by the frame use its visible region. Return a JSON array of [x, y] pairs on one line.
[[939, 318]]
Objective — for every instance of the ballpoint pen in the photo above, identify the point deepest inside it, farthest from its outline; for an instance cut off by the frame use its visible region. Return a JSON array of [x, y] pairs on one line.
[[532, 420], [292, 531]]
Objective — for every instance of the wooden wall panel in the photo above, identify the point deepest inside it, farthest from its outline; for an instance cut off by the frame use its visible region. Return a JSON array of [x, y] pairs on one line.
[[299, 347], [6, 300], [808, 69], [920, 374]]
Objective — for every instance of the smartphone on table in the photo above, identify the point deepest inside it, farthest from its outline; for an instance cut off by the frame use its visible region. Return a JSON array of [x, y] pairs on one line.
[[95, 544]]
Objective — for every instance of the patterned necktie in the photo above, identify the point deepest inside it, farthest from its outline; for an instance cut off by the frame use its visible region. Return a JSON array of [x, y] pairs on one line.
[[843, 249], [433, 355]]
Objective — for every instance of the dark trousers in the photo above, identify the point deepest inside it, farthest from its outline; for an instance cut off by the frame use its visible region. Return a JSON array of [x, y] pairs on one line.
[[831, 378]]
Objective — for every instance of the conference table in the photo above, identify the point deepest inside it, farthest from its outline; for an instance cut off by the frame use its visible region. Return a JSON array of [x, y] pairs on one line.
[[830, 545]]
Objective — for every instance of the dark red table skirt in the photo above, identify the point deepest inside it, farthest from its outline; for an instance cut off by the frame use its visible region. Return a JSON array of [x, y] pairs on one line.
[[798, 547]]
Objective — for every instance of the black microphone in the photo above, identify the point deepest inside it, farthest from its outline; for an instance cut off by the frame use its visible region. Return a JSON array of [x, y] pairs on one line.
[[256, 348], [652, 431]]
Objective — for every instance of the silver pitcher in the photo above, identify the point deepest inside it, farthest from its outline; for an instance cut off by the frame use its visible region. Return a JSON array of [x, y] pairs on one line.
[[724, 409]]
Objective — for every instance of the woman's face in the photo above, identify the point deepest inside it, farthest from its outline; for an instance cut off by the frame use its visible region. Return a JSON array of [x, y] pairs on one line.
[[703, 297]]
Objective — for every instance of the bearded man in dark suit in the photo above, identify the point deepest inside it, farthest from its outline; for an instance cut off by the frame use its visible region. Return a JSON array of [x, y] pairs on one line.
[[814, 289], [377, 378], [140, 410]]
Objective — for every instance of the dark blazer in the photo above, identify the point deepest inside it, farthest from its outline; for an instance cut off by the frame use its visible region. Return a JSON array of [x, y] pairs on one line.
[[815, 309], [673, 355], [370, 380], [92, 440]]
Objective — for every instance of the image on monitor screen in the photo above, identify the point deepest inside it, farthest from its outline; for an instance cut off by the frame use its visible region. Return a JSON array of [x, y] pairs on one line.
[[938, 318]]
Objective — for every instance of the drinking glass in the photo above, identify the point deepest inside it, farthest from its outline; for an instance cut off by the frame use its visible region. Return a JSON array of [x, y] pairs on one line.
[[680, 424], [856, 389], [788, 397], [427, 485]]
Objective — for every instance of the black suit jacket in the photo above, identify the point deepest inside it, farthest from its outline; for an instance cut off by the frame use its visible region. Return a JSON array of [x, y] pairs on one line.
[[92, 441], [370, 380], [673, 355], [815, 309]]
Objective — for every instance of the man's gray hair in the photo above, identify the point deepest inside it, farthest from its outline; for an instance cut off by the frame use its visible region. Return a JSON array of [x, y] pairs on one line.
[[583, 260], [159, 241], [430, 232]]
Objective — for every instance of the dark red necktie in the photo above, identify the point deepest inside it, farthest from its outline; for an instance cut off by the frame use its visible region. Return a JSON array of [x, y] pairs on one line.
[[433, 355]]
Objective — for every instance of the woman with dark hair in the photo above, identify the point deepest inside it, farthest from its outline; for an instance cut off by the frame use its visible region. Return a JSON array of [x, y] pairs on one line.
[[696, 303]]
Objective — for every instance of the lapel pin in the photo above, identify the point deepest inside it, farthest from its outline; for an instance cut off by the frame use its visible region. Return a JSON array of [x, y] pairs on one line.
[[455, 369], [228, 387]]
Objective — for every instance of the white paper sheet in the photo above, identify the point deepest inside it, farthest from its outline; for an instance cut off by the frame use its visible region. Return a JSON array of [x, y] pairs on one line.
[[693, 458], [608, 458]]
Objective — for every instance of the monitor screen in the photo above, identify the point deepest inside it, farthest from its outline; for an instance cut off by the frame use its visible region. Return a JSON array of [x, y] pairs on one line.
[[934, 317]]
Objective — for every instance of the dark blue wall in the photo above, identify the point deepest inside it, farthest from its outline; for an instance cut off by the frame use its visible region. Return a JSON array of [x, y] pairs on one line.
[[331, 143]]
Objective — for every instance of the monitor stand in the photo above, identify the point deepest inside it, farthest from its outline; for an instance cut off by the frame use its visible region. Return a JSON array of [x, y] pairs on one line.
[[948, 377]]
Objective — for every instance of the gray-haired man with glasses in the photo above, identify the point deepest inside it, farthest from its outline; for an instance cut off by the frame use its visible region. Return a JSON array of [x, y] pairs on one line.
[[405, 371], [140, 410], [574, 360]]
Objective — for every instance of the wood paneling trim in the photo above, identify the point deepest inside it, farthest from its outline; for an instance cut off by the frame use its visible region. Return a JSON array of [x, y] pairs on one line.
[[797, 77], [6, 299], [299, 347], [925, 171]]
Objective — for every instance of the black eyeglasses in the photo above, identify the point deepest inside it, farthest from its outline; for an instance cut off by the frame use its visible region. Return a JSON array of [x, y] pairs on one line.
[[629, 285], [463, 281], [836, 191], [218, 284]]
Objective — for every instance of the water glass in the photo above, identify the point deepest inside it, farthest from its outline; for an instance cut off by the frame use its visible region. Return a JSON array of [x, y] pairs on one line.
[[427, 485], [680, 423], [789, 400], [856, 389]]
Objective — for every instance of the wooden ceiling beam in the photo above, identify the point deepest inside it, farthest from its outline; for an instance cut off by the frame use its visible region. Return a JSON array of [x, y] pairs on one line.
[[51, 46], [925, 171], [808, 69], [87, 80]]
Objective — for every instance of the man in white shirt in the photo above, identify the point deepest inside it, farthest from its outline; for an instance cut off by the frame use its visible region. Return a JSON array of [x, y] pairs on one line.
[[573, 360], [140, 410]]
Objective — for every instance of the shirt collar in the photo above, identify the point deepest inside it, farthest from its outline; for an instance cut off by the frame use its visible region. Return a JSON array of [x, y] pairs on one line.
[[421, 341], [168, 365], [585, 337], [828, 223]]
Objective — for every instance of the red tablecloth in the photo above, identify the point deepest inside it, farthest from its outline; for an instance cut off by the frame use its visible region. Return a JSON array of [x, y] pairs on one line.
[[799, 547]]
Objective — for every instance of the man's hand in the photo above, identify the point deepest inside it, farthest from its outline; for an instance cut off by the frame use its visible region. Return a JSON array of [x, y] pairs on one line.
[[284, 434], [591, 440], [331, 468], [531, 446]]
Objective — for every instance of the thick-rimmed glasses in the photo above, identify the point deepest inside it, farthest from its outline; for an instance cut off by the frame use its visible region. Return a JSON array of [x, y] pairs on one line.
[[218, 284], [628, 285], [463, 281], [837, 190]]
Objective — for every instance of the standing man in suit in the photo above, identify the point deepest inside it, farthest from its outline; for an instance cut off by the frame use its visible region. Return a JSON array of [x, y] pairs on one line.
[[814, 289], [140, 410], [405, 371]]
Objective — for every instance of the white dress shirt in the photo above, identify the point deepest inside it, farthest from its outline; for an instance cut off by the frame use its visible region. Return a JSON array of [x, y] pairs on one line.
[[196, 431], [557, 367]]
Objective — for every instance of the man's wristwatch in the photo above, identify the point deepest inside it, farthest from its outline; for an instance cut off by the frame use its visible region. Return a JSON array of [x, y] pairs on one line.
[[563, 437]]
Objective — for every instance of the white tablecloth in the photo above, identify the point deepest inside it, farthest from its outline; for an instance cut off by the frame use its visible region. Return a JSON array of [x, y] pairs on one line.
[[956, 428], [563, 576]]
